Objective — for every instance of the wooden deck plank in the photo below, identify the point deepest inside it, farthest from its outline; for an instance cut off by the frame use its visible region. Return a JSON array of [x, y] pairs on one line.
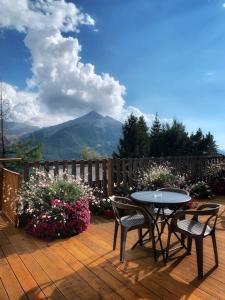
[[44, 282], [85, 267], [3, 293], [9, 280], [152, 274]]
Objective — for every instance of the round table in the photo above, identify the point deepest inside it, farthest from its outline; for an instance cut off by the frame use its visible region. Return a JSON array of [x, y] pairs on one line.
[[161, 200]]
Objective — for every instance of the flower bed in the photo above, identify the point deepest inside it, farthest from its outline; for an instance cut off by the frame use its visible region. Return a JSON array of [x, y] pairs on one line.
[[54, 207]]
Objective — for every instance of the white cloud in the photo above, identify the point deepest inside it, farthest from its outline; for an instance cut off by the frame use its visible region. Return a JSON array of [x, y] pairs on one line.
[[23, 15], [138, 113], [24, 107], [64, 86]]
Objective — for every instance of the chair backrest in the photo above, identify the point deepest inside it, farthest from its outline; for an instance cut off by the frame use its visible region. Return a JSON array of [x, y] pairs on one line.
[[174, 190], [210, 210], [124, 206]]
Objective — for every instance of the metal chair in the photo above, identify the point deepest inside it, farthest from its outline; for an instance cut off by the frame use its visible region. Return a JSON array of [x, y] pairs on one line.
[[130, 217], [167, 213], [197, 230]]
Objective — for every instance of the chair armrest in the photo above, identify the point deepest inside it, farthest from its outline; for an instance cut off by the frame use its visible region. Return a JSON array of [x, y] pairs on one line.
[[181, 214]]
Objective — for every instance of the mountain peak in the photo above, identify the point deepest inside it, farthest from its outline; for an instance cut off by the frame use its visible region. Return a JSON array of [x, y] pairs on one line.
[[93, 114]]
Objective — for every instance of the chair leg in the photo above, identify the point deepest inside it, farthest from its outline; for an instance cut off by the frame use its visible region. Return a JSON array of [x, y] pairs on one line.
[[215, 248], [153, 242], [123, 243], [115, 235], [140, 236], [168, 244], [199, 252], [189, 244]]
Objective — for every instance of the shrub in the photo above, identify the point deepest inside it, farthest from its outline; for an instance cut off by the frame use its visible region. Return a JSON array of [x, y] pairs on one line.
[[159, 176], [200, 190], [98, 205], [54, 206], [62, 220], [215, 174]]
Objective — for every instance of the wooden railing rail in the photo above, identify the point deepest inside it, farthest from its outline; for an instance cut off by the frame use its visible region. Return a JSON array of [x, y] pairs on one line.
[[105, 174], [94, 172]]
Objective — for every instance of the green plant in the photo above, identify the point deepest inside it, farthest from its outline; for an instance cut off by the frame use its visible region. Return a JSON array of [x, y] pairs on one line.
[[158, 176], [37, 194], [99, 205], [63, 189], [201, 190], [54, 207]]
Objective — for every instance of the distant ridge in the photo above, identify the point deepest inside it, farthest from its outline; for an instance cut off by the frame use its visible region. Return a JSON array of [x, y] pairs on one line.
[[65, 140]]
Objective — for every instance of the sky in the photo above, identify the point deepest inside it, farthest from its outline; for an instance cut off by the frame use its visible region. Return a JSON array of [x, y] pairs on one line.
[[61, 59]]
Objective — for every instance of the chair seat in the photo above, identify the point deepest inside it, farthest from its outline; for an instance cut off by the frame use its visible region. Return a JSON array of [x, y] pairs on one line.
[[193, 227], [132, 220], [167, 211]]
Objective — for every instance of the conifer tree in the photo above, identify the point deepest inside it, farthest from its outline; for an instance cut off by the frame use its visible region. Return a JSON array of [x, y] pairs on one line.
[[128, 146], [155, 137], [143, 138]]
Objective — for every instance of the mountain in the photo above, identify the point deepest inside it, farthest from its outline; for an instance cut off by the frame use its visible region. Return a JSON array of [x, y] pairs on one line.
[[18, 129], [64, 141], [14, 130]]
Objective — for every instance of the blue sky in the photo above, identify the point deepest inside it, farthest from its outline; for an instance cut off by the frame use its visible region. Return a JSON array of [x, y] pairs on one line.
[[169, 56]]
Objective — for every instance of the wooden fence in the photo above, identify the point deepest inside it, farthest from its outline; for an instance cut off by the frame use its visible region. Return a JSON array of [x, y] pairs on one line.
[[105, 174], [9, 189]]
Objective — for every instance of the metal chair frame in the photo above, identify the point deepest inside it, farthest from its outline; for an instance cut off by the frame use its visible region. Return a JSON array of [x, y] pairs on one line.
[[124, 207], [211, 210]]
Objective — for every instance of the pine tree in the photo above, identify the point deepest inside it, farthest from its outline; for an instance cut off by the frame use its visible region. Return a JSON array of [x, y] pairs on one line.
[[128, 143], [174, 139], [155, 137], [210, 144], [143, 138]]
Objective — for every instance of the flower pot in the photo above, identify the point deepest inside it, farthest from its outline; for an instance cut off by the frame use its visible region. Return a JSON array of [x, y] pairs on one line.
[[108, 214]]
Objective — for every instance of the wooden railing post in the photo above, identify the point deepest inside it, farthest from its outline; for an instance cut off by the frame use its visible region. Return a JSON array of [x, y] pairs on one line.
[[1, 185], [110, 177]]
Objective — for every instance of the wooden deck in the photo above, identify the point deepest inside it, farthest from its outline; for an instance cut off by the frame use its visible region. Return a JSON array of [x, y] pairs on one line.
[[85, 267]]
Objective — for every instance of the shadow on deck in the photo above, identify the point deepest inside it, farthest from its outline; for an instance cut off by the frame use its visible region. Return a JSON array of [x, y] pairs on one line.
[[85, 267]]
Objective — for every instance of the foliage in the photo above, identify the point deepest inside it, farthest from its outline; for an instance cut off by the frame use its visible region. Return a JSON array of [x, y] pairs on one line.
[[56, 206], [215, 175], [28, 151], [200, 190], [99, 205], [200, 144], [158, 176], [134, 141], [155, 137], [162, 139], [87, 153], [61, 220]]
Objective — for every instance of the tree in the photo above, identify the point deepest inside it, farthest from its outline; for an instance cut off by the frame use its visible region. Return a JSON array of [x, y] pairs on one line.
[[162, 140], [155, 137], [210, 144], [4, 111], [128, 143], [200, 144], [142, 138], [28, 151], [87, 153], [174, 139]]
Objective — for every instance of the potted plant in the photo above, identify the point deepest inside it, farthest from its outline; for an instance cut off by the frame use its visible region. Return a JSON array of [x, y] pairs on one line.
[[56, 207]]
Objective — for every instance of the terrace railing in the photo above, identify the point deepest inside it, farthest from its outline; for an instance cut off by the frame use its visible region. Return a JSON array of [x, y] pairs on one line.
[[9, 186], [108, 173]]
